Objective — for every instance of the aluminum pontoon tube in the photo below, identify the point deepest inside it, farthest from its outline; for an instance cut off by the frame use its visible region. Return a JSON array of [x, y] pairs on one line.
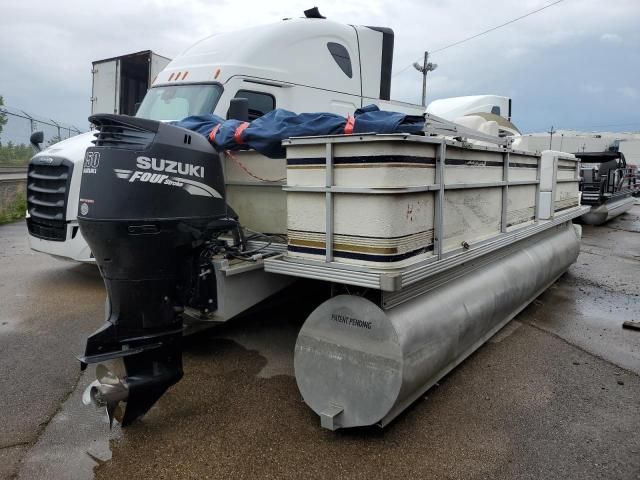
[[600, 214], [357, 365]]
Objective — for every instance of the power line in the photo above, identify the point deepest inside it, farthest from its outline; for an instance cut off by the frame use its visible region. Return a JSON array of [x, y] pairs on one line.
[[576, 128], [484, 33], [499, 26]]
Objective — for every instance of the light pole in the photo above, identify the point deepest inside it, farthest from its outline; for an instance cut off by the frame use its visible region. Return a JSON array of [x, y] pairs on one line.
[[425, 68]]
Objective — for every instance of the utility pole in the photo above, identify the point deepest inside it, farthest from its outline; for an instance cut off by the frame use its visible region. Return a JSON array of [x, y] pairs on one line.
[[425, 68], [551, 132]]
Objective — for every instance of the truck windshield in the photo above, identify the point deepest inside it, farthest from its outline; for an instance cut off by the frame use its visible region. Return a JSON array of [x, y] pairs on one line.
[[175, 102]]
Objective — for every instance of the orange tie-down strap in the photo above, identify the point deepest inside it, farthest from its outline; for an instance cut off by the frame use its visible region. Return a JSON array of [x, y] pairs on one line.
[[237, 135], [212, 135], [348, 128]]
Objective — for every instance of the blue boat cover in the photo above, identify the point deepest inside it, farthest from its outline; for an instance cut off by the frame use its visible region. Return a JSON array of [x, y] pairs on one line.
[[265, 134]]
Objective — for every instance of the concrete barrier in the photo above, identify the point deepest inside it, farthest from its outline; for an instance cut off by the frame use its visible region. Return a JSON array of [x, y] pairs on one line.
[[13, 170]]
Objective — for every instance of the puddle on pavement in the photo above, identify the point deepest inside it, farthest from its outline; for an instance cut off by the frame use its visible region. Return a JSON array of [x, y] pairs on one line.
[[222, 420], [8, 324], [78, 438], [275, 345], [591, 318], [75, 441], [272, 330], [628, 221]]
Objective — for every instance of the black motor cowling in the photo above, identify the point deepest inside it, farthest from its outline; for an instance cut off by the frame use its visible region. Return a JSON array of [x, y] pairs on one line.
[[151, 194]]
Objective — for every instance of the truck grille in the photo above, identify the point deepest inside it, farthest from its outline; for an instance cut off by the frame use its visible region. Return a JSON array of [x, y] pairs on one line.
[[48, 181]]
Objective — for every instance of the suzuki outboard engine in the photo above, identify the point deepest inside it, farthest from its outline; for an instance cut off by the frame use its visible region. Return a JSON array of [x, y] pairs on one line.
[[151, 200]]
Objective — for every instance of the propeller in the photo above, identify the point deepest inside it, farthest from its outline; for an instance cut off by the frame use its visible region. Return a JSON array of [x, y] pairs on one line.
[[107, 391]]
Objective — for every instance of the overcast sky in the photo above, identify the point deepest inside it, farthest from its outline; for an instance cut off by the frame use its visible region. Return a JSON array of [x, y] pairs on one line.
[[576, 64]]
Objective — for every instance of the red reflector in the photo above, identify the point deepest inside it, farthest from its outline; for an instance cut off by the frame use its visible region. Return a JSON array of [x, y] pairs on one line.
[[185, 75], [170, 77]]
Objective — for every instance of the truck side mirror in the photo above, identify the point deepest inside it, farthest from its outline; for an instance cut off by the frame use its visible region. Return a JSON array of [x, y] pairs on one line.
[[36, 139], [238, 109]]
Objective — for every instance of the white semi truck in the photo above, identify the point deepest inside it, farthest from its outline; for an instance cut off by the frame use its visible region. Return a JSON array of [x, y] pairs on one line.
[[303, 65]]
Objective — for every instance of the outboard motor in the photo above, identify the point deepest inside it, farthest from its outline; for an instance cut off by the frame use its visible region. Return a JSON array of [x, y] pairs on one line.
[[152, 200]]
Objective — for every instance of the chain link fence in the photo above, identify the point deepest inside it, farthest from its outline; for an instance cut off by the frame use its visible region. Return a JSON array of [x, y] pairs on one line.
[[16, 127]]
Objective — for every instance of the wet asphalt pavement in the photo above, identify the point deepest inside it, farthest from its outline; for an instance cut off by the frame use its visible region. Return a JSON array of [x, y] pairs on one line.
[[47, 307], [555, 394]]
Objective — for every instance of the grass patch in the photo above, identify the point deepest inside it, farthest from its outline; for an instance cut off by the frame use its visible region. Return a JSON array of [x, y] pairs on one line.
[[15, 211]]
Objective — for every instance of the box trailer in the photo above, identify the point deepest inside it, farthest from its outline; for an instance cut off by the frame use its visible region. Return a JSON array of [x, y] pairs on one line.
[[120, 83]]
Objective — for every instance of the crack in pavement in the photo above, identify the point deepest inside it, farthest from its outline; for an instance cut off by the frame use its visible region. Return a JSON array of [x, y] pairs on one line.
[[12, 445], [533, 324], [42, 427]]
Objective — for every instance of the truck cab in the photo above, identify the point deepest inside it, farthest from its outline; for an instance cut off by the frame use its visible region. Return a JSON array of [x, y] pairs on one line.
[[303, 65]]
